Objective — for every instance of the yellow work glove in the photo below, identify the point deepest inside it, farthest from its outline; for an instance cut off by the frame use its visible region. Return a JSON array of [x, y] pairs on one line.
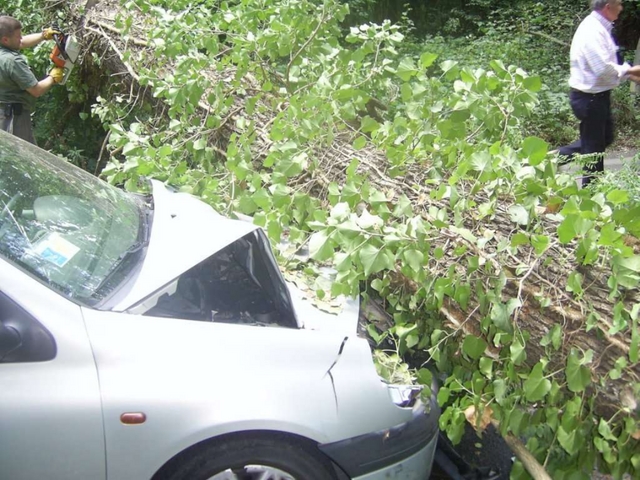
[[48, 33], [57, 74]]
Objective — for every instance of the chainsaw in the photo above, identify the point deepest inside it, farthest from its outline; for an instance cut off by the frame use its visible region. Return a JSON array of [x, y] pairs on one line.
[[65, 53]]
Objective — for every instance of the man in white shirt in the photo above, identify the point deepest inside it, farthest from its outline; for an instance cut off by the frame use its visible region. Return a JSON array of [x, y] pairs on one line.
[[594, 73]]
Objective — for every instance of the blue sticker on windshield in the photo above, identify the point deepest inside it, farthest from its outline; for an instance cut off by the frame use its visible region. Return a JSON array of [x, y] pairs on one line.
[[56, 249]]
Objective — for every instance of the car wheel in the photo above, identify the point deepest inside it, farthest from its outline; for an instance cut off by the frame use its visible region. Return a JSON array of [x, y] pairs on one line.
[[251, 458]]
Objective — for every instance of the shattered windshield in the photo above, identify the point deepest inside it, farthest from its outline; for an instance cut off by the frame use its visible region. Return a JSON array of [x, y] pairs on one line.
[[67, 228]]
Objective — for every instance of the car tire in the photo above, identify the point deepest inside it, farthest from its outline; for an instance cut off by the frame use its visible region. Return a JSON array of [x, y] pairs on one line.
[[242, 454]]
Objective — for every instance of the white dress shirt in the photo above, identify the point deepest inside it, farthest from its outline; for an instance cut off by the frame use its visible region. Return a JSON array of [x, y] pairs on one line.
[[594, 65]]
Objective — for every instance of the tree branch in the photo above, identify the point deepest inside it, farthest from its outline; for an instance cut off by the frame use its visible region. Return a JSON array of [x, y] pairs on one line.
[[309, 40]]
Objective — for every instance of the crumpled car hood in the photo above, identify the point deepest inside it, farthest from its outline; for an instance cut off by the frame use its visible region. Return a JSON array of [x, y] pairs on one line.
[[185, 231]]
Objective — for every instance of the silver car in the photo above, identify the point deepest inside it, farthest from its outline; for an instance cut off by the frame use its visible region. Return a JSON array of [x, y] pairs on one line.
[[149, 337]]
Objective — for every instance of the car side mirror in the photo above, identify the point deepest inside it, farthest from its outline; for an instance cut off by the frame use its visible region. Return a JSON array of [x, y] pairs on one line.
[[10, 340]]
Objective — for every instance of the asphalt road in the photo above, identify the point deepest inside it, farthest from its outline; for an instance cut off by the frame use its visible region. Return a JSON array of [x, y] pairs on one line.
[[612, 162]]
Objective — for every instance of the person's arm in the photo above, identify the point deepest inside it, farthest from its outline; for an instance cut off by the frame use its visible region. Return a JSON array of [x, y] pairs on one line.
[[31, 40], [42, 87], [34, 39], [634, 72]]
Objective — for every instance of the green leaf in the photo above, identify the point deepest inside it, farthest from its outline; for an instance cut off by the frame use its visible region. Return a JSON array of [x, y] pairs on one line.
[[377, 196], [443, 396], [539, 243], [536, 386], [535, 149], [414, 258], [199, 144], [516, 420], [574, 284], [450, 68], [578, 376], [320, 246], [618, 196], [427, 59], [465, 233], [631, 263], [412, 340], [608, 235], [406, 92], [369, 125], [517, 352], [519, 214], [130, 147], [274, 230], [500, 390], [375, 259], [460, 115], [473, 346], [425, 377], [533, 84], [406, 69], [462, 294], [634, 348], [499, 68], [553, 337], [519, 239], [340, 211], [373, 333], [164, 151], [604, 429], [367, 221], [349, 227], [481, 161], [569, 440], [500, 317], [403, 207], [625, 270], [359, 143], [567, 229], [486, 367]]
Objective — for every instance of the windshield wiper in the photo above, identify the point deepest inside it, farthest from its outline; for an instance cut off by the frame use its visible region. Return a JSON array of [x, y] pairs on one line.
[[127, 256]]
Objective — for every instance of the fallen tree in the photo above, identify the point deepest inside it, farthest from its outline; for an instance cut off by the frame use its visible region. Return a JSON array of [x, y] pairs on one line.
[[520, 287]]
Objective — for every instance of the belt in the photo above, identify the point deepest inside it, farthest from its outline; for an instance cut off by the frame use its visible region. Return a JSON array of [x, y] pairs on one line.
[[599, 94], [12, 109]]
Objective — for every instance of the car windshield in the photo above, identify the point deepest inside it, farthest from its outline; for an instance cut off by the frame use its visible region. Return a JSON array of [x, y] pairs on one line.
[[67, 228]]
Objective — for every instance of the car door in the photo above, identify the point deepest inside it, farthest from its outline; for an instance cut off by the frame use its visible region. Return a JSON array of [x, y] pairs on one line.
[[50, 412]]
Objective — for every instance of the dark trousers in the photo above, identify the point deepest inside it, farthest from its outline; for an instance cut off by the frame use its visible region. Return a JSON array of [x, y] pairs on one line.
[[18, 123], [596, 128]]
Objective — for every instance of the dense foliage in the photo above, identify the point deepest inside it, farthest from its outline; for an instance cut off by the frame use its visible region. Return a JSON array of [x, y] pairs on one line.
[[454, 133], [63, 122], [473, 17], [535, 36]]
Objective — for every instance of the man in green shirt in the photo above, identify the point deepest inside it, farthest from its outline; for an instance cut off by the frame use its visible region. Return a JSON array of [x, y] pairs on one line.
[[19, 87]]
